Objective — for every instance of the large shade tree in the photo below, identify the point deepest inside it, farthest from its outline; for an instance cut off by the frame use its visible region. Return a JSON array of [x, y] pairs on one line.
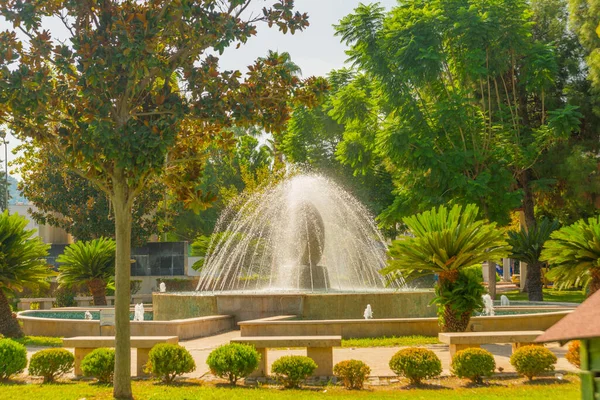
[[135, 93], [22, 264]]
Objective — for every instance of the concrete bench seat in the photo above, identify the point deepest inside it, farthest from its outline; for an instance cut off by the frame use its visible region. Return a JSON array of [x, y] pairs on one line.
[[319, 348], [463, 340], [83, 345]]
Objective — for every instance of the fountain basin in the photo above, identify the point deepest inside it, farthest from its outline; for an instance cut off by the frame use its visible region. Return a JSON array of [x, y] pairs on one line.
[[290, 325], [52, 323], [313, 306]]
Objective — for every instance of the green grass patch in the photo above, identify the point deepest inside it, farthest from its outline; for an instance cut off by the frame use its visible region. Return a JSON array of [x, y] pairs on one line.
[[40, 341], [147, 390], [393, 341], [566, 296]]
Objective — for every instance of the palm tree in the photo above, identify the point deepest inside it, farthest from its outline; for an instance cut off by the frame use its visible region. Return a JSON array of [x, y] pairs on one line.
[[445, 242], [527, 247], [92, 263], [573, 253], [22, 264]]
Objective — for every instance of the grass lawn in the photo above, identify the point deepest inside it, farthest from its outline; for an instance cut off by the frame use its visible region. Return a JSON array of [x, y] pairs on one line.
[[394, 341], [538, 390], [40, 341], [567, 296]]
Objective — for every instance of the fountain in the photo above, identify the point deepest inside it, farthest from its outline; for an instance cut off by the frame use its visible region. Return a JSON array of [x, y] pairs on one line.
[[139, 312], [504, 301], [368, 314], [488, 304], [304, 234], [162, 287], [88, 316]]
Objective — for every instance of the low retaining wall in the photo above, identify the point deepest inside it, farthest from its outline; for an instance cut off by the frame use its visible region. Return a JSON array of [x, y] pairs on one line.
[[355, 328], [314, 306], [183, 328], [45, 303]]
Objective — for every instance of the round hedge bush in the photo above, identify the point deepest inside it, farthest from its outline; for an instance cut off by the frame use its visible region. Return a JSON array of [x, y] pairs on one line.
[[51, 363], [100, 364], [291, 370], [352, 372], [473, 364], [416, 364], [531, 361], [13, 358], [573, 354], [233, 361], [167, 361]]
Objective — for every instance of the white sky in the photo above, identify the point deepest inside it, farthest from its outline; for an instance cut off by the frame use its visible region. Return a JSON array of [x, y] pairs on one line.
[[316, 50]]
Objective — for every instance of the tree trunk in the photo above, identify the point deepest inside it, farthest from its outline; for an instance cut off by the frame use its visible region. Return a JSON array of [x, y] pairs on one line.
[[122, 204], [528, 200], [534, 282], [492, 279], [451, 320], [9, 326], [595, 283], [98, 288]]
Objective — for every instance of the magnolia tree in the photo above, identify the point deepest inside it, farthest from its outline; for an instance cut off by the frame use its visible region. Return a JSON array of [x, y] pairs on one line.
[[136, 94]]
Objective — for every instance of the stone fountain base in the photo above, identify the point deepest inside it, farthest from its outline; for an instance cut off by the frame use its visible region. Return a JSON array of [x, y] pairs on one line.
[[313, 306]]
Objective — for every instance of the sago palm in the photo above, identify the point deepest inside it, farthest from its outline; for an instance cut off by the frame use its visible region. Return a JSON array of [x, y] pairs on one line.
[[573, 253], [22, 264], [527, 247], [92, 263], [445, 241]]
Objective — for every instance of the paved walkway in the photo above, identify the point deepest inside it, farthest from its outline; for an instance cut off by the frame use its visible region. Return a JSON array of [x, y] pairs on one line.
[[376, 357]]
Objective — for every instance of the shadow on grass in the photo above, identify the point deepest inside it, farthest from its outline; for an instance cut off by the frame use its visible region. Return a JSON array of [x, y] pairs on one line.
[[484, 384], [183, 383], [541, 381], [424, 386], [8, 382]]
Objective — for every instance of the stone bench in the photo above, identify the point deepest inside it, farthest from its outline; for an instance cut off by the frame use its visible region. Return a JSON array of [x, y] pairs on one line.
[[319, 348], [83, 345], [463, 340]]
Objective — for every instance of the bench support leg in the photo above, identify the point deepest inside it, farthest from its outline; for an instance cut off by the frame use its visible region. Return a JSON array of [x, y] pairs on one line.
[[458, 347], [263, 364], [142, 360], [323, 356], [515, 346], [80, 354]]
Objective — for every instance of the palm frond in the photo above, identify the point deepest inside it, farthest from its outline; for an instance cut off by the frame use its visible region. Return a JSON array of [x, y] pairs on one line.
[[84, 261]]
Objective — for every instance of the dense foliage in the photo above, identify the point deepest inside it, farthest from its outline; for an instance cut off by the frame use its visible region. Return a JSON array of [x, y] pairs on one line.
[[473, 364], [293, 370], [573, 252], [444, 242], [167, 361], [531, 361], [573, 354], [416, 364], [92, 263], [13, 358], [22, 264], [353, 373], [233, 361], [51, 364]]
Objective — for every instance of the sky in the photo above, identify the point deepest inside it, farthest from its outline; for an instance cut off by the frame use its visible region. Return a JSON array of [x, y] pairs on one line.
[[316, 50]]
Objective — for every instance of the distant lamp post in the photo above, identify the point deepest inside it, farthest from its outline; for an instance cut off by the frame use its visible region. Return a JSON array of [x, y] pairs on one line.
[[3, 136]]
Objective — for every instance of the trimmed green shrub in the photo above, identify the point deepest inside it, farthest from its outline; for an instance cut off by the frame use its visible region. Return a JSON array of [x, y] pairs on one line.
[[100, 364], [167, 361], [291, 370], [416, 364], [532, 361], [233, 361], [13, 358], [51, 363], [573, 354], [473, 364], [352, 372], [65, 297]]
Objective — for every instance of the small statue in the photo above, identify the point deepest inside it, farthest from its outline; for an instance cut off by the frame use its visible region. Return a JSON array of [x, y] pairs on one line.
[[162, 287], [368, 314], [504, 301], [88, 316], [139, 312]]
